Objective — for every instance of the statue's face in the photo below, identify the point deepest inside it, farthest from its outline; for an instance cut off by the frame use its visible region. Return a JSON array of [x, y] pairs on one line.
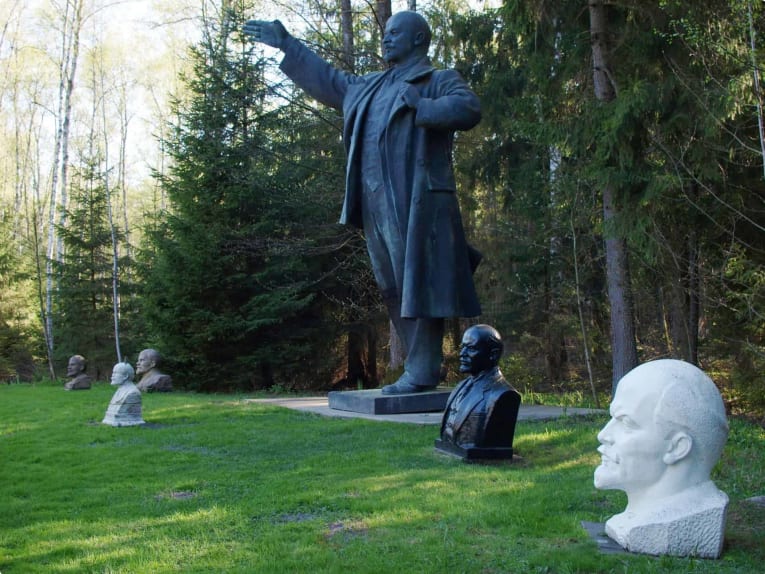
[[145, 363], [75, 367], [399, 38], [475, 353], [632, 445], [119, 375]]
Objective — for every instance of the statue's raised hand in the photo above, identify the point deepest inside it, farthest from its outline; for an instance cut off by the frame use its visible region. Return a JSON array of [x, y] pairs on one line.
[[272, 34]]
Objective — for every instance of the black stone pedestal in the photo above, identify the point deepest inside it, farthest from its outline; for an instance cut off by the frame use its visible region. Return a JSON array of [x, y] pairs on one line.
[[373, 402], [475, 454]]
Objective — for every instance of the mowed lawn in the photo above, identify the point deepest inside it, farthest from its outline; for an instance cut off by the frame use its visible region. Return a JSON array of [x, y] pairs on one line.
[[216, 483]]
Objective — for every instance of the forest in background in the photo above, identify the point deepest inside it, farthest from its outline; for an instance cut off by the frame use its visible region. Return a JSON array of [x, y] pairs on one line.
[[614, 186]]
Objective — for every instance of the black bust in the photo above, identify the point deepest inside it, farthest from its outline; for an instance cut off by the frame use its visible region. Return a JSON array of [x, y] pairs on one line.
[[481, 412]]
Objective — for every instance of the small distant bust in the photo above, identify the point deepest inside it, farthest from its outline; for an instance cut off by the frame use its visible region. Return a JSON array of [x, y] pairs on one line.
[[152, 380], [75, 370], [481, 412], [125, 407], [667, 431]]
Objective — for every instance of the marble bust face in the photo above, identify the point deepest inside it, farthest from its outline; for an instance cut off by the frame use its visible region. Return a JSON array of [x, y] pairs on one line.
[[632, 447], [121, 374]]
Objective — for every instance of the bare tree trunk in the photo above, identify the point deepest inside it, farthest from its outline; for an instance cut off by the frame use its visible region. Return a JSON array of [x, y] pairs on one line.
[[582, 324], [756, 78], [684, 311], [347, 26], [623, 346], [41, 295], [110, 213], [694, 297], [411, 5], [397, 351], [382, 13], [70, 46], [362, 356], [122, 168]]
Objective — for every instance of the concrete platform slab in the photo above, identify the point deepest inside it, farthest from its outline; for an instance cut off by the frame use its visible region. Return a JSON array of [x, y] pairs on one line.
[[320, 405], [373, 402]]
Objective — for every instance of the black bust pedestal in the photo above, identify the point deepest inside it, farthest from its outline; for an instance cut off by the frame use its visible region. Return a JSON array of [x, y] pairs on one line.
[[473, 453]]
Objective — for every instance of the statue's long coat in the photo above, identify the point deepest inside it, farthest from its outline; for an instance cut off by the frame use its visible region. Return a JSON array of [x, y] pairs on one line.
[[416, 150]]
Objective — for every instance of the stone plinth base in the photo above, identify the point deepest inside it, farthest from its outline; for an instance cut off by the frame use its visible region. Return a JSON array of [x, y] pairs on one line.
[[474, 454], [118, 422], [597, 531], [373, 402]]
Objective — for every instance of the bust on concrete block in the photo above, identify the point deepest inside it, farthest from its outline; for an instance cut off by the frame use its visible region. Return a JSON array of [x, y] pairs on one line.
[[79, 380], [125, 407], [152, 379], [481, 412], [667, 431]]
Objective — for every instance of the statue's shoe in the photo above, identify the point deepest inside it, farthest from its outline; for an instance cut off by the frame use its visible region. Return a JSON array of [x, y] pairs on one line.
[[405, 386]]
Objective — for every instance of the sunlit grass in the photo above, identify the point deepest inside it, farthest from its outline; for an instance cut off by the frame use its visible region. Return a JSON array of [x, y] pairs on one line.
[[217, 484]]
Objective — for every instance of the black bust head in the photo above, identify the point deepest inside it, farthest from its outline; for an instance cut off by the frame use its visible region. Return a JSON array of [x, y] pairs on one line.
[[481, 349]]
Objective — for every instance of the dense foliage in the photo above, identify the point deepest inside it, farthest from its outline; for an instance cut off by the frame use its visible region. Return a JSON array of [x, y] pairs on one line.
[[241, 267], [246, 281]]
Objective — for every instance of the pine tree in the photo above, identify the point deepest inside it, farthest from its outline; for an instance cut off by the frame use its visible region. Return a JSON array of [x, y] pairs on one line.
[[84, 309]]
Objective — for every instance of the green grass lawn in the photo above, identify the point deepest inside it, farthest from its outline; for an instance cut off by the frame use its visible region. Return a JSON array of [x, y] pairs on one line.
[[218, 484]]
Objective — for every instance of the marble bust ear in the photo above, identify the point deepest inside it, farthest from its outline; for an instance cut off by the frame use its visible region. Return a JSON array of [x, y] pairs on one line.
[[667, 431]]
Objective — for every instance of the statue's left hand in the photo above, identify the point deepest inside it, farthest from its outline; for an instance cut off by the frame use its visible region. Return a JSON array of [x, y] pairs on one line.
[[410, 95], [272, 34]]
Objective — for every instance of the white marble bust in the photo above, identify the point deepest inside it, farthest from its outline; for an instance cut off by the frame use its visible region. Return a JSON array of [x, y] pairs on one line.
[[667, 431], [125, 407]]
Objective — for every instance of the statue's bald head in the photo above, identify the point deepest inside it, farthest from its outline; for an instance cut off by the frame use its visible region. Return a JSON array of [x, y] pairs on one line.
[[407, 36], [417, 24]]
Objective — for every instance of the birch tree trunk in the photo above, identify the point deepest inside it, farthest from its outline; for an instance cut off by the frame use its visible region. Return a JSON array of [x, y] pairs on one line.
[[71, 25], [109, 207], [623, 346]]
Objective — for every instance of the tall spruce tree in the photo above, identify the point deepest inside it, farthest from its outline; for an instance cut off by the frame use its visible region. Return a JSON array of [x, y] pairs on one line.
[[84, 309], [238, 267]]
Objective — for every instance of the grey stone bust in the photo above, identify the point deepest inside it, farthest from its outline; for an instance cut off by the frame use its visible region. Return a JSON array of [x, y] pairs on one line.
[[79, 380], [152, 379], [125, 407]]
